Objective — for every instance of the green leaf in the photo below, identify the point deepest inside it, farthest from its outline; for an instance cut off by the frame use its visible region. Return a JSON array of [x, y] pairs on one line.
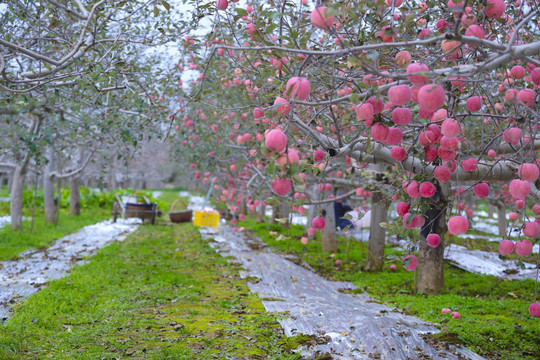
[[369, 146], [373, 56], [406, 262], [241, 12], [156, 11], [355, 98], [271, 27], [275, 14], [330, 12], [271, 168], [300, 202], [410, 219], [166, 5], [264, 149], [355, 61], [295, 168], [273, 201]]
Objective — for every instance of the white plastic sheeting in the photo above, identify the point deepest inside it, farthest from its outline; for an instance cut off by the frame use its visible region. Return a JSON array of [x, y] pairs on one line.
[[35, 268], [348, 326], [4, 220]]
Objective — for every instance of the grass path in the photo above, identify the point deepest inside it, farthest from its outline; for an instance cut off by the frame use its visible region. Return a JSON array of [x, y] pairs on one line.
[[163, 293]]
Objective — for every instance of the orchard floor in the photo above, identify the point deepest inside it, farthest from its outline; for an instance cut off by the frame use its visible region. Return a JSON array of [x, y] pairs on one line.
[[164, 293]]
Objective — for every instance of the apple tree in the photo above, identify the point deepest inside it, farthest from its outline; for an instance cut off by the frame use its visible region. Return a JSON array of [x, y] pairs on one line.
[[442, 95]]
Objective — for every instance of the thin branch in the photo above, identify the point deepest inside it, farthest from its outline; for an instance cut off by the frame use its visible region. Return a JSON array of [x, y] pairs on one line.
[[82, 8], [72, 12], [56, 175]]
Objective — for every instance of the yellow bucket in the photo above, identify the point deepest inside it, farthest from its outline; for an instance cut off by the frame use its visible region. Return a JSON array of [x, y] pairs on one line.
[[202, 218]]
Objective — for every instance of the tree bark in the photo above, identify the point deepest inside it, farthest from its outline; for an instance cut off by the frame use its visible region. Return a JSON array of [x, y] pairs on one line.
[[431, 260], [377, 234], [243, 206], [75, 196], [280, 211], [501, 221], [16, 201], [112, 181], [261, 215], [75, 183], [328, 234], [11, 176], [17, 183], [48, 189]]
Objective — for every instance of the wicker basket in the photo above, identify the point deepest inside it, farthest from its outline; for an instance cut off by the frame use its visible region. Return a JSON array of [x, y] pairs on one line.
[[180, 216]]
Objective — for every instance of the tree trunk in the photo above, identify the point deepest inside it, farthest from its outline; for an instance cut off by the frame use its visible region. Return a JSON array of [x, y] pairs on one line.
[[112, 181], [280, 211], [431, 260], [16, 201], [11, 176], [328, 234], [261, 216], [502, 219], [377, 234], [490, 210], [75, 189], [75, 196], [243, 206], [48, 189], [39, 182], [58, 202]]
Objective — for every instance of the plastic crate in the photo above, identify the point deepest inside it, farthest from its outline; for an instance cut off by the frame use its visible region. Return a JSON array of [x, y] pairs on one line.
[[202, 218]]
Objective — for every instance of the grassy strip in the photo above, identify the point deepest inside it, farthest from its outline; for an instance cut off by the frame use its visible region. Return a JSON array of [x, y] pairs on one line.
[[494, 313], [163, 293], [169, 195], [12, 243]]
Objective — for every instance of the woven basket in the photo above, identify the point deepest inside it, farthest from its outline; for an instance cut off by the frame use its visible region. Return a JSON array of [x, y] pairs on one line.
[[180, 216]]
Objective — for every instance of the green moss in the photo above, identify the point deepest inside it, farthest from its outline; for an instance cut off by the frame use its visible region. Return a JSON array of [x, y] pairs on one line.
[[294, 342]]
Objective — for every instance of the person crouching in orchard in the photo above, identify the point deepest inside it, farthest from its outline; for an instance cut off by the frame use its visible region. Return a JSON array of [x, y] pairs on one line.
[[340, 209]]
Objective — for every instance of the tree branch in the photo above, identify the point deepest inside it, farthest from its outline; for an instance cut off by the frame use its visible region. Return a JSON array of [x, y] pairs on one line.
[[72, 12], [56, 175]]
